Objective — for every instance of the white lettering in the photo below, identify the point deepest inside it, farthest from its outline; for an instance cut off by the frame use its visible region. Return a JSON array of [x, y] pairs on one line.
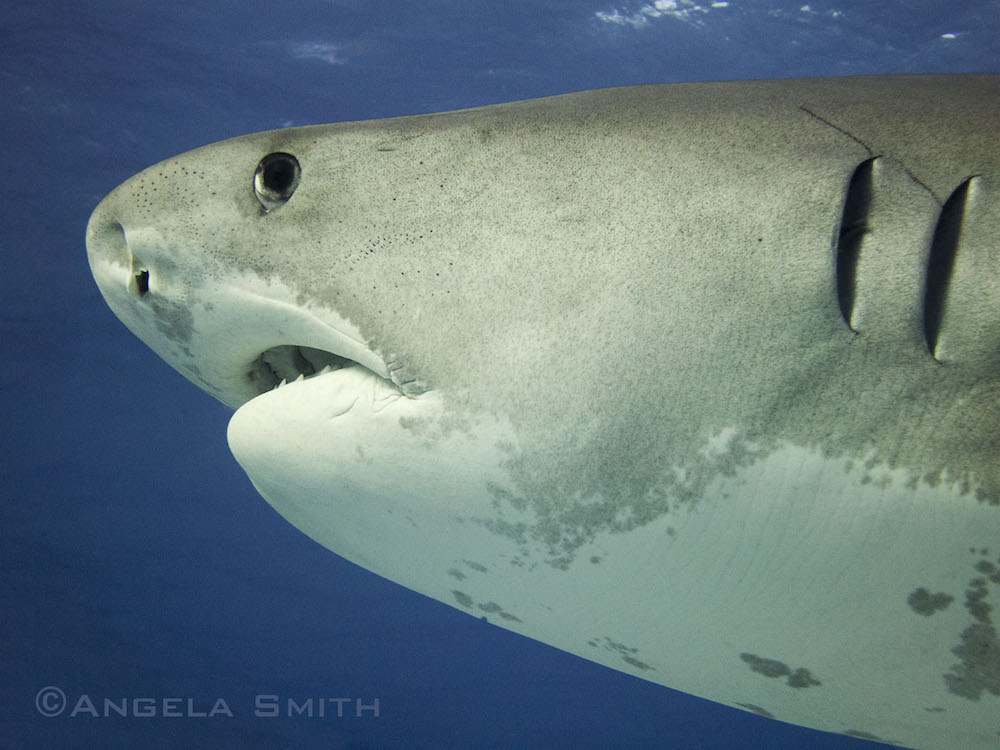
[[374, 707], [340, 705], [221, 707], [265, 705], [306, 708], [84, 704], [120, 708]]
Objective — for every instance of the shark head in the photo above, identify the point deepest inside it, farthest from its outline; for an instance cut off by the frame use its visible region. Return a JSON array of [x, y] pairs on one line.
[[222, 261], [169, 275], [687, 380]]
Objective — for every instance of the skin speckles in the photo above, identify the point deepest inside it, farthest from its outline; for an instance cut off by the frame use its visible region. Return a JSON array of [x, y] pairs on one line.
[[568, 517], [979, 650], [149, 187], [490, 608], [462, 598], [515, 531], [503, 495], [520, 561], [989, 569], [429, 430], [627, 653], [863, 735], [494, 608], [173, 319], [801, 678], [798, 678], [925, 603], [757, 710]]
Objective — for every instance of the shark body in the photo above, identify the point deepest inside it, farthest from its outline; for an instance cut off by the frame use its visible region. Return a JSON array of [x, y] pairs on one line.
[[697, 381]]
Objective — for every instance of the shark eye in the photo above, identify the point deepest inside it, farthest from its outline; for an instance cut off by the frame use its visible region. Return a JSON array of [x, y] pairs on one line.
[[276, 178]]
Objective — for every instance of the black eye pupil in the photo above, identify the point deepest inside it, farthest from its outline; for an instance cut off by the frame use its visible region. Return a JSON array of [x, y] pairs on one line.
[[276, 178], [279, 175]]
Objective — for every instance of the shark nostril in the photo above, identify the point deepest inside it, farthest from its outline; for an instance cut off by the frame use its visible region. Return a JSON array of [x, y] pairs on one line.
[[108, 240], [141, 282], [138, 283]]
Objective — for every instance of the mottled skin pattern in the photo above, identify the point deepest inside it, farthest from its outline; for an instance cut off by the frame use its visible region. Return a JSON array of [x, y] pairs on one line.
[[645, 418]]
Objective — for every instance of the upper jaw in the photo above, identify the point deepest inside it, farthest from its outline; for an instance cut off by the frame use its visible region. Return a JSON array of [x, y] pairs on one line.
[[238, 339]]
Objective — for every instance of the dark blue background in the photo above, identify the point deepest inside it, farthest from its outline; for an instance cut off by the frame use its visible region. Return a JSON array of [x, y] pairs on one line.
[[137, 560]]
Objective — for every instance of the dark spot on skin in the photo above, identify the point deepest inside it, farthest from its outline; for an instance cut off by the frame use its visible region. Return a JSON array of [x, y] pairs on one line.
[[484, 133], [494, 608], [766, 667], [563, 524], [462, 598], [173, 319], [757, 710], [772, 668], [595, 560], [862, 735], [476, 566], [636, 663], [518, 531], [979, 650], [979, 671], [925, 603], [503, 495], [456, 574], [801, 678], [627, 653]]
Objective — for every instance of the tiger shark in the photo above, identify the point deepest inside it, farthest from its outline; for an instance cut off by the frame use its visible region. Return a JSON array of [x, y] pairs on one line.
[[697, 381]]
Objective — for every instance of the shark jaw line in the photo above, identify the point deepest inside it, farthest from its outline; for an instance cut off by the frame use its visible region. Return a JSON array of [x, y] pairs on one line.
[[285, 364], [255, 336], [288, 363], [322, 347]]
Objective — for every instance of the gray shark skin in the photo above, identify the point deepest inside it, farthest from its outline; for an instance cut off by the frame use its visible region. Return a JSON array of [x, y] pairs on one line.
[[697, 381]]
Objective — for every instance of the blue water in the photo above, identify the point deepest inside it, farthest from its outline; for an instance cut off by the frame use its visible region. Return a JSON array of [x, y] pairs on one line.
[[137, 560]]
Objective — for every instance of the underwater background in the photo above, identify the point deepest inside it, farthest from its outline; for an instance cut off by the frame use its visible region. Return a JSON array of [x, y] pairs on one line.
[[136, 559]]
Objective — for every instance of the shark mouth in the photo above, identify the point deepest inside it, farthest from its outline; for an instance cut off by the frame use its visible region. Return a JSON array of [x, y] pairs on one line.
[[290, 363], [287, 363]]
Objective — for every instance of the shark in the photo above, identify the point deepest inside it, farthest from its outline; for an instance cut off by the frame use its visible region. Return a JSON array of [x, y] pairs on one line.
[[700, 382]]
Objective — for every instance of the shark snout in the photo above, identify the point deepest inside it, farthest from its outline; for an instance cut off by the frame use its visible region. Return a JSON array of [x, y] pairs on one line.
[[127, 246], [106, 242]]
